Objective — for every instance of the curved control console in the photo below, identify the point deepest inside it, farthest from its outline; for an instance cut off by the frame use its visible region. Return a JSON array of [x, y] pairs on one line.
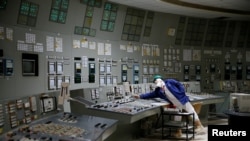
[[64, 127]]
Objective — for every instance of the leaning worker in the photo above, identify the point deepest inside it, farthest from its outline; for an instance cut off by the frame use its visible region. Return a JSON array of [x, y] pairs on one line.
[[173, 92]]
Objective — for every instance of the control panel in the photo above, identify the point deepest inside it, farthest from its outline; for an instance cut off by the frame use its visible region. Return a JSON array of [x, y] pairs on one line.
[[232, 86], [124, 75], [125, 106], [136, 74], [62, 127], [78, 70], [8, 66]]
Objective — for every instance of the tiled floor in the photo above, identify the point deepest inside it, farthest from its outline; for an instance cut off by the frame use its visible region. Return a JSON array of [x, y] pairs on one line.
[[156, 136]]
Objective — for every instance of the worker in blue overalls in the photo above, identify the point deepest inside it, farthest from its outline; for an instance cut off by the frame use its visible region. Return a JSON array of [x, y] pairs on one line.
[[173, 92]]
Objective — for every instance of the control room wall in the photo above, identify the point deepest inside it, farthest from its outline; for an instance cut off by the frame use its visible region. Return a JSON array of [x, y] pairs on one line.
[[19, 86]]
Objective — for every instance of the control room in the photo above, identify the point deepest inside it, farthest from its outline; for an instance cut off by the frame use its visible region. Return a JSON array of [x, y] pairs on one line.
[[114, 70]]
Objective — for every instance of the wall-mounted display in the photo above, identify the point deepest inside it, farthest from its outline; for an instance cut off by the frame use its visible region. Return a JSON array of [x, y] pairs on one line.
[[114, 79], [136, 74], [92, 32], [239, 71], [51, 67], [227, 71], [78, 71], [78, 30], [108, 79], [87, 22], [212, 68], [102, 68], [186, 69], [59, 67], [197, 69], [30, 64], [124, 73], [102, 80], [151, 70], [156, 70], [133, 24], [148, 24], [52, 82], [91, 72], [230, 34], [66, 79], [86, 29], [109, 68], [59, 80], [58, 12], [242, 35], [28, 13], [109, 17], [195, 31], [93, 3], [8, 65], [215, 33], [145, 79], [145, 69], [180, 31]]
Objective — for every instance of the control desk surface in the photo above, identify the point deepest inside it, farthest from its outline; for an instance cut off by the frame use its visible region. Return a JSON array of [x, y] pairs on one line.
[[64, 127]]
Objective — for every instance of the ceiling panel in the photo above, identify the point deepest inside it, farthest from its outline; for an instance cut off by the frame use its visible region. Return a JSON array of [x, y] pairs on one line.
[[232, 9]]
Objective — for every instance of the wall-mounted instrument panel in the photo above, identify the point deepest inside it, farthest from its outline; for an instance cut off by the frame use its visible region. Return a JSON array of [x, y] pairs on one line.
[[8, 67], [232, 86]]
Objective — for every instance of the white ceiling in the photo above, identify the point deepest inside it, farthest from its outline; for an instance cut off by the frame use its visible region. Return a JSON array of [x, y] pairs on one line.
[[221, 8]]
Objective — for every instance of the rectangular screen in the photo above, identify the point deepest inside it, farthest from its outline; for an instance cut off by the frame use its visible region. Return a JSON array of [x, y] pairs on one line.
[[29, 67]]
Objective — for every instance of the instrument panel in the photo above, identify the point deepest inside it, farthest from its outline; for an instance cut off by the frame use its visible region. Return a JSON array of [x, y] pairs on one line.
[[125, 106], [64, 127]]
